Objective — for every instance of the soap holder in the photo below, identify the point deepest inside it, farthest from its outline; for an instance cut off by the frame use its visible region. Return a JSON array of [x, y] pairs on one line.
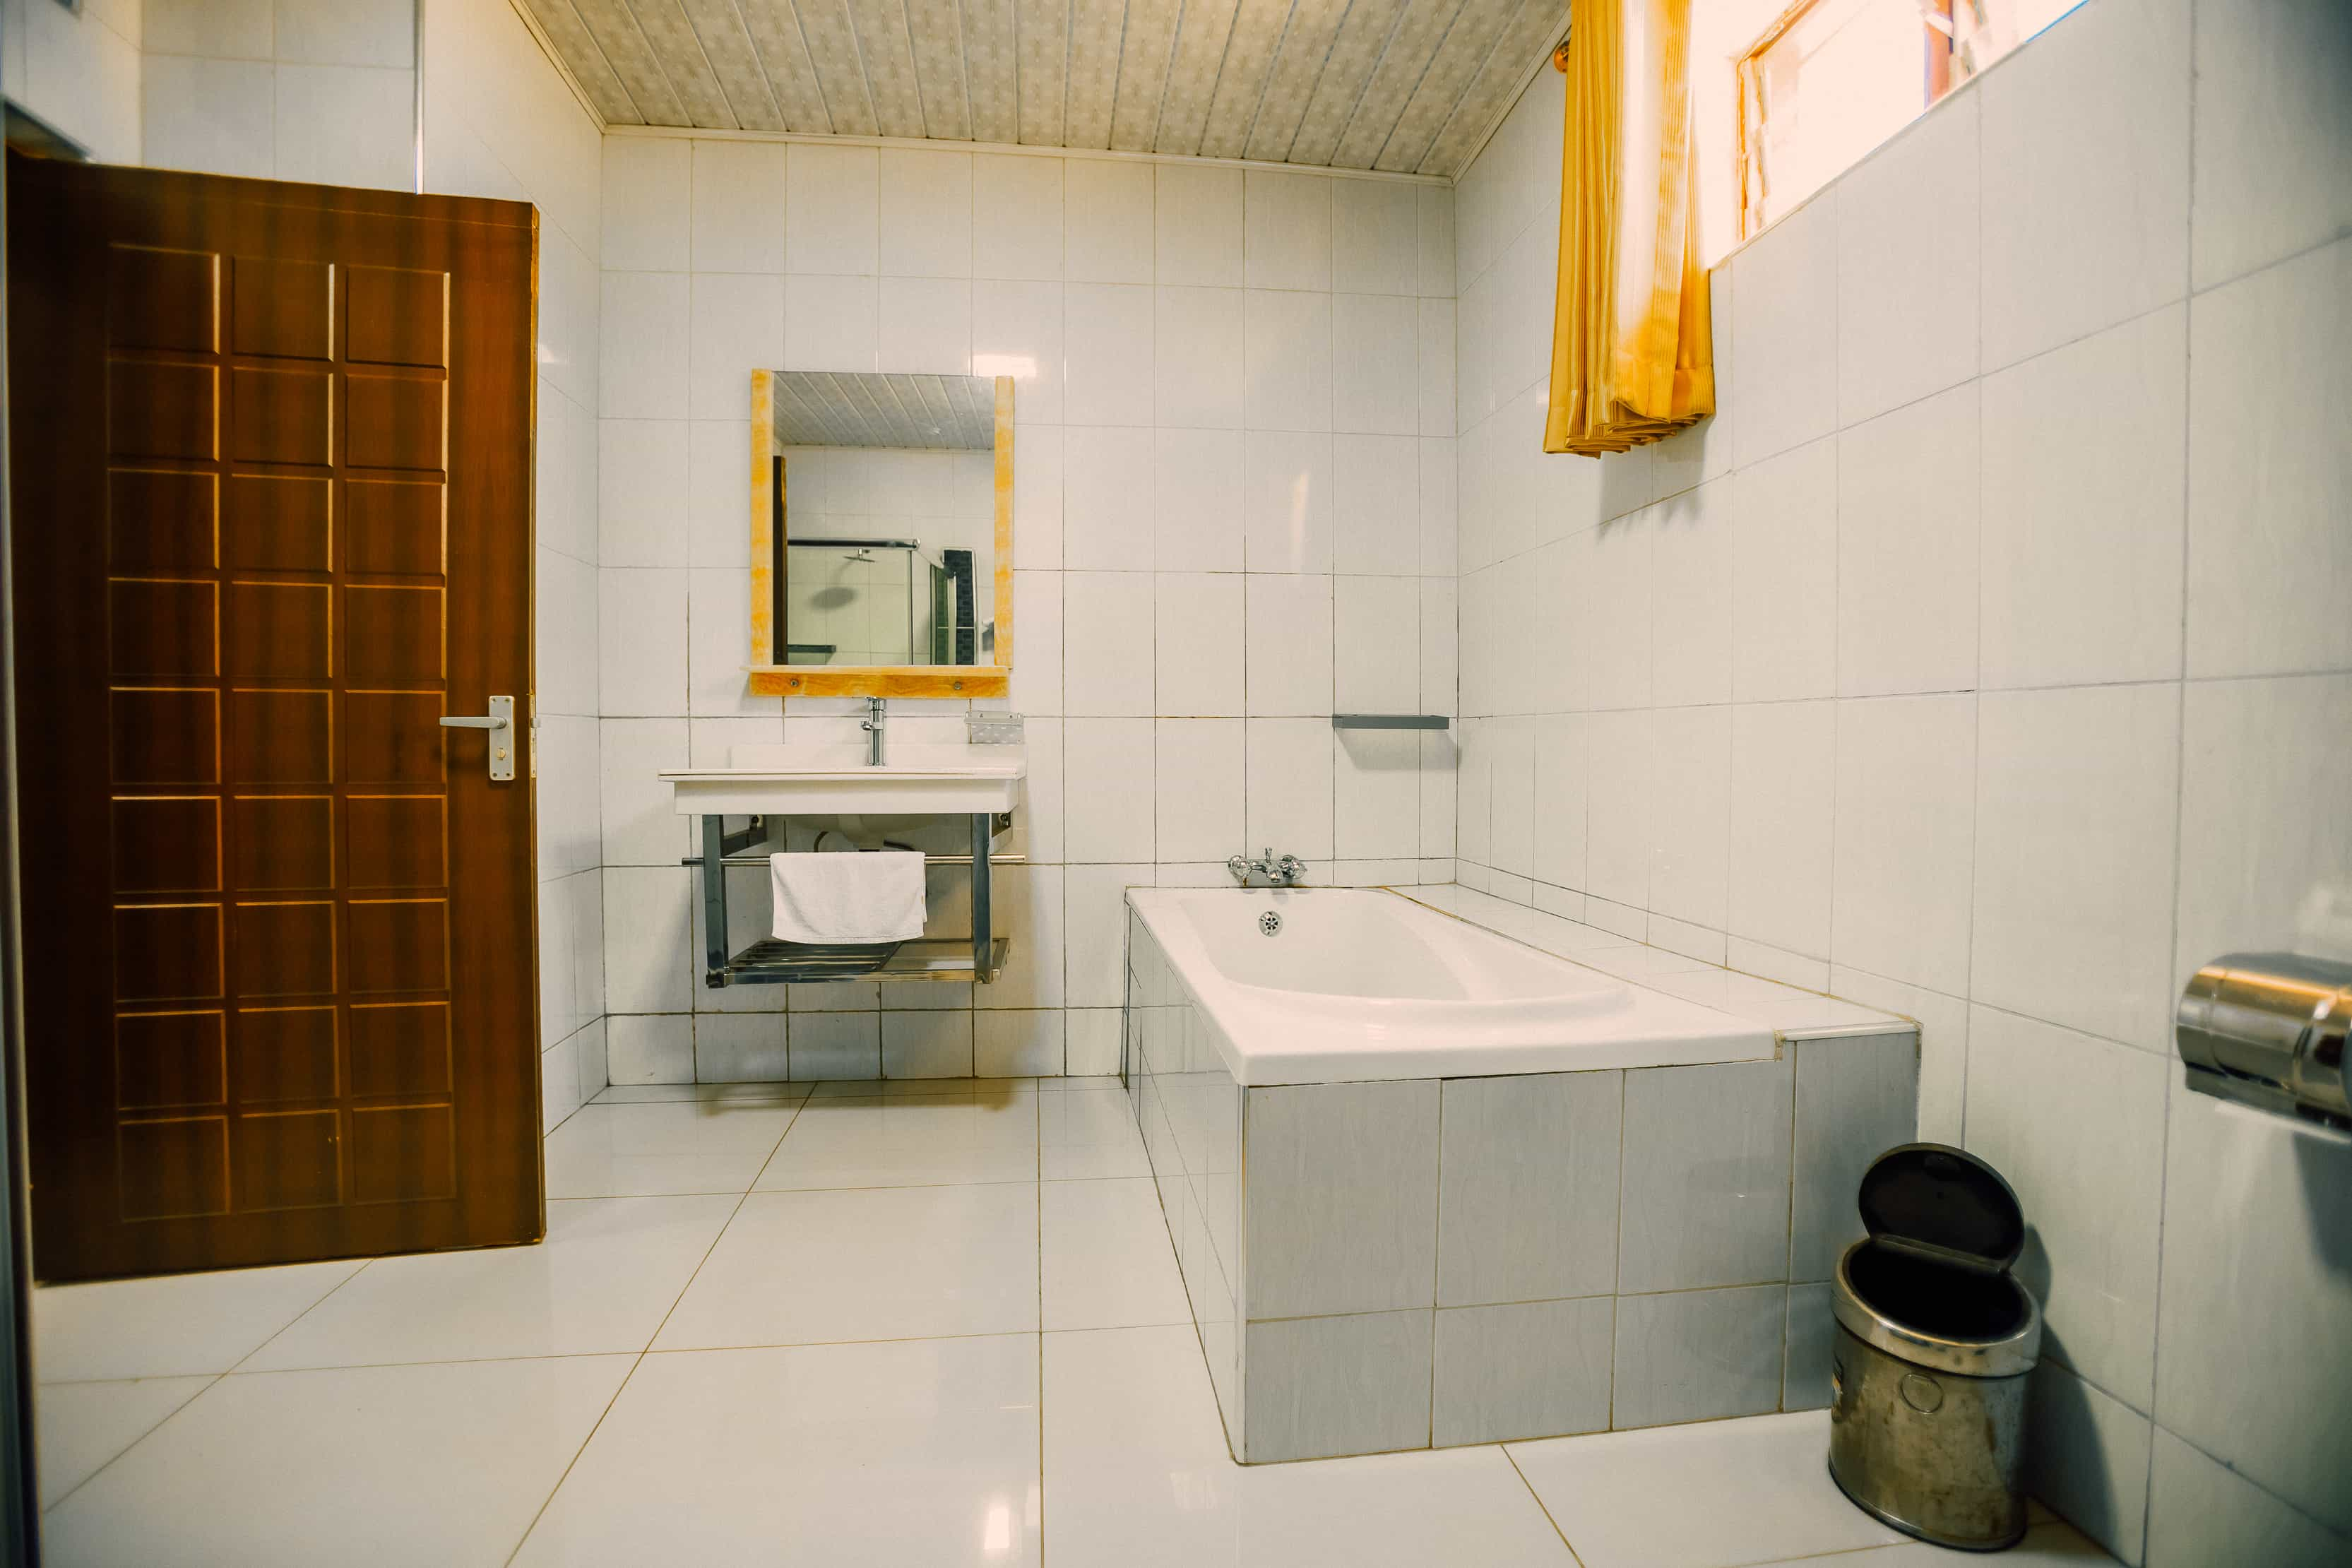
[[993, 729]]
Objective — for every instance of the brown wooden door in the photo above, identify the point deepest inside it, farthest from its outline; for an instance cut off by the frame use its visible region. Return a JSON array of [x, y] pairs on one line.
[[271, 458]]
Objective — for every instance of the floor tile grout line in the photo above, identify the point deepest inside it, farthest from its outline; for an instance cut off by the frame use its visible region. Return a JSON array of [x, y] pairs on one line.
[[595, 1426], [212, 1381], [853, 1344], [1566, 1545], [431, 1361], [287, 1326], [618, 1389]]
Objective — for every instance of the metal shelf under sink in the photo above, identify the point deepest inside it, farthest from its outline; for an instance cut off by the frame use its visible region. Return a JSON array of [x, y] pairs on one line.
[[774, 962], [978, 957]]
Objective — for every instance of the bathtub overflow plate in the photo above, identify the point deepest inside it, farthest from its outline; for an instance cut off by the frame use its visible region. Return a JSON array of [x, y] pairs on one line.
[[1269, 922]]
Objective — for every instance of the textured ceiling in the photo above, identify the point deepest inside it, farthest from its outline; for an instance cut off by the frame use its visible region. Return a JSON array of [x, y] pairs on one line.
[[1402, 85], [845, 408]]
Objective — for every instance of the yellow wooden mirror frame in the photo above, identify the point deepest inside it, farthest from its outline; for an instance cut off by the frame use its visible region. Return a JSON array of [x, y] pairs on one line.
[[770, 679]]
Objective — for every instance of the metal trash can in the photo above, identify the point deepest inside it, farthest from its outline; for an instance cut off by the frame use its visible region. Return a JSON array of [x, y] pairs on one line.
[[1935, 1339]]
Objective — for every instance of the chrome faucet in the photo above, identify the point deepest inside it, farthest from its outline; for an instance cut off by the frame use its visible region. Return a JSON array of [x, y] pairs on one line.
[[1279, 871], [873, 728]]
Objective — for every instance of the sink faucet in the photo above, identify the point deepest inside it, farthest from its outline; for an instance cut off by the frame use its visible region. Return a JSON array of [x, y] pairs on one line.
[[873, 728], [1279, 871]]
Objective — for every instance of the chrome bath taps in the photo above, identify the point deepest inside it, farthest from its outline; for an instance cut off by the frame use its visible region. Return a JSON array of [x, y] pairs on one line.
[[1278, 872], [873, 728]]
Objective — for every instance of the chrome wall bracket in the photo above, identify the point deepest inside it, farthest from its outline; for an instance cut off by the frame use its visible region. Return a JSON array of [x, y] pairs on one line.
[[2269, 1030]]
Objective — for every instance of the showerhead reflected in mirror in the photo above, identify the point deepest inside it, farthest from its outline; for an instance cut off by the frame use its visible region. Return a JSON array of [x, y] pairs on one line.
[[888, 504]]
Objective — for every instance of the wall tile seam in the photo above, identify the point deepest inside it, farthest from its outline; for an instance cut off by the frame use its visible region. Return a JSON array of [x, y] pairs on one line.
[[2339, 237], [1063, 275], [2323, 672], [1987, 372], [1983, 372], [2287, 1503], [588, 252], [1969, 998], [1360, 1312], [575, 1035], [2056, 1359], [2188, 312], [1770, 1284], [880, 277]]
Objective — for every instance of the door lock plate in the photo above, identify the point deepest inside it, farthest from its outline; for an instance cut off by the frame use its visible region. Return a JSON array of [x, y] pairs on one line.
[[499, 727]]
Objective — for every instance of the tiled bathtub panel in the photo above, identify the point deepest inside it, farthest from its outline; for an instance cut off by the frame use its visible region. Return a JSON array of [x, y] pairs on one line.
[[1706, 1199], [1357, 1384], [1856, 1098], [1532, 1369], [1527, 1187], [1694, 1355], [1195, 1108], [1211, 1298], [1158, 1140], [1346, 1161], [1342, 1198], [1217, 1179], [1215, 1311], [1191, 1117]]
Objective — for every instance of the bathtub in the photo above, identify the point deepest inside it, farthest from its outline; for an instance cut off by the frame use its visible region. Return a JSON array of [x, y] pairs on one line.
[[1344, 985], [1431, 1186]]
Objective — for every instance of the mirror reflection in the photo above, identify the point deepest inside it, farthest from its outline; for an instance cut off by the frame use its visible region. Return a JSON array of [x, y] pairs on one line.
[[885, 488]]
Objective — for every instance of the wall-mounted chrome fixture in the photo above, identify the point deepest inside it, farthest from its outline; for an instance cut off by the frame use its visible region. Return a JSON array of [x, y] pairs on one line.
[[1274, 870], [2268, 1029], [1390, 722]]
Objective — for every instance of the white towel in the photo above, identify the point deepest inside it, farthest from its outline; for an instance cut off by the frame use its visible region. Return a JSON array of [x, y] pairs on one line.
[[836, 898]]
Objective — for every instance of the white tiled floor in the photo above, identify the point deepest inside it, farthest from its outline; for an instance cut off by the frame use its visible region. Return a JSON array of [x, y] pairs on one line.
[[919, 1324]]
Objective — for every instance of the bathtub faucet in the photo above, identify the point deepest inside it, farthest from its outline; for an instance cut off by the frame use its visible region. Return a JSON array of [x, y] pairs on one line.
[[1279, 871]]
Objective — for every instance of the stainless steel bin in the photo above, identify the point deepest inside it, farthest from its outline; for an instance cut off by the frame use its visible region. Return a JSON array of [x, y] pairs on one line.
[[1935, 1340]]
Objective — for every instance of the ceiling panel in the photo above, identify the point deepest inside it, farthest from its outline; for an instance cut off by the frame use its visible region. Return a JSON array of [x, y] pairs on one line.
[[1401, 85], [827, 408]]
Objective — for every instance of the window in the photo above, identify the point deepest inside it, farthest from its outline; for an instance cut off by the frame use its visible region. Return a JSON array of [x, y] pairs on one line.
[[1832, 78]]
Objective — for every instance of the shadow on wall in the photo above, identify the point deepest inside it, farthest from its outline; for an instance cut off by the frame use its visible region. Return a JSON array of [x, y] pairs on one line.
[[2066, 1456], [2324, 1167], [2066, 1463]]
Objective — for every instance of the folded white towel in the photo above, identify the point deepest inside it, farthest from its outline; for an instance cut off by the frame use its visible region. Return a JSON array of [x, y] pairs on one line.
[[836, 898]]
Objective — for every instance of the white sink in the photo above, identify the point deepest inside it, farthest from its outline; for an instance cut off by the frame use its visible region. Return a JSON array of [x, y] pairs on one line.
[[914, 780]]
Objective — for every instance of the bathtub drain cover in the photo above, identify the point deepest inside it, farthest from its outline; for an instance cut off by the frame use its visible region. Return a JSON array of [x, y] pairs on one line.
[[1269, 922]]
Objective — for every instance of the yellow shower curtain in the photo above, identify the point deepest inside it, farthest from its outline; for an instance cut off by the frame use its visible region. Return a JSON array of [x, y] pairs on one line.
[[1631, 360]]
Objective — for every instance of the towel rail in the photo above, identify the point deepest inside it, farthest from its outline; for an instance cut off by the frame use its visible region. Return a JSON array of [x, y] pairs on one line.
[[1390, 722]]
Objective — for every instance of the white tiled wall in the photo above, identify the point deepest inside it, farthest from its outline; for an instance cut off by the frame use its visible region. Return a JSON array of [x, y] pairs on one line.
[[318, 90], [77, 73], [499, 122], [1984, 659], [1233, 511]]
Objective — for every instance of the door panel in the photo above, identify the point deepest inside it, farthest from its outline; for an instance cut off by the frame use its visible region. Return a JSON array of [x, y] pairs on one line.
[[272, 459]]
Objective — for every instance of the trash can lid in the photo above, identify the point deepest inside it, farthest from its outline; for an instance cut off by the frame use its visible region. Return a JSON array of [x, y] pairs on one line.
[[1942, 1200]]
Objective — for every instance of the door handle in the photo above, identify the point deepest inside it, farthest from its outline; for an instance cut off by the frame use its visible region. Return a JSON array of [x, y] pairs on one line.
[[499, 722]]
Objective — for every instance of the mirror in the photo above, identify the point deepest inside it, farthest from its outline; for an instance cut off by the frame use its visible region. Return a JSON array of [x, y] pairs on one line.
[[881, 534]]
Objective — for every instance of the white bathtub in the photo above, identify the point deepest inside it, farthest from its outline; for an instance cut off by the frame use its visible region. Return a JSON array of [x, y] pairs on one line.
[[1359, 984]]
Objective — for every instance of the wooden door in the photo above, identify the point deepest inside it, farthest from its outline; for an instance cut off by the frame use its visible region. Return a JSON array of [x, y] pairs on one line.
[[271, 458]]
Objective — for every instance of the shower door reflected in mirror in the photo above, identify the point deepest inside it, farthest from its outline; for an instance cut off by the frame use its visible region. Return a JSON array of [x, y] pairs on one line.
[[881, 534]]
